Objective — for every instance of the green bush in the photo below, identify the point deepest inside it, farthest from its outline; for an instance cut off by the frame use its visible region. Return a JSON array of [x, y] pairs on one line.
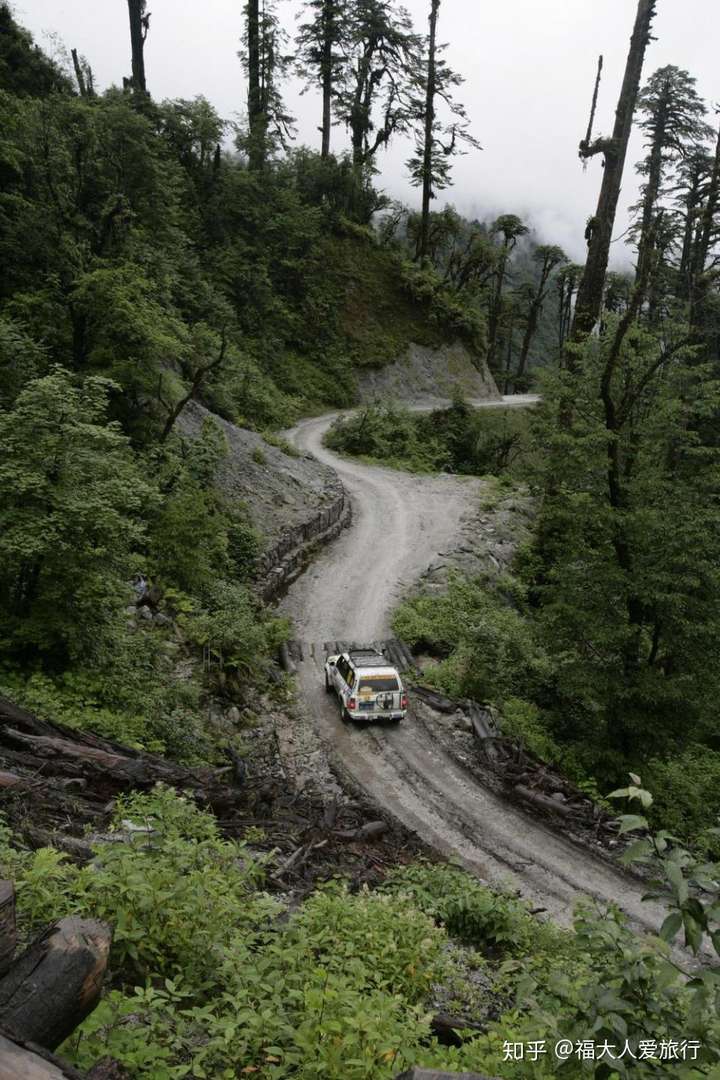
[[488, 645], [458, 439]]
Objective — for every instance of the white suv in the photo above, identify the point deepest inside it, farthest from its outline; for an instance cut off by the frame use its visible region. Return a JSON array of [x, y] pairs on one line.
[[368, 686]]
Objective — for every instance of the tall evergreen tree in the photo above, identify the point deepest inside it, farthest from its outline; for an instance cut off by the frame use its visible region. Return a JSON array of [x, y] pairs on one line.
[[548, 258], [375, 100], [437, 141], [511, 228], [322, 54], [269, 124], [672, 122]]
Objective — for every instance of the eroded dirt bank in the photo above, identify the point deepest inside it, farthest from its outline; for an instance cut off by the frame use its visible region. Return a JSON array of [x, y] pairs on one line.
[[400, 524]]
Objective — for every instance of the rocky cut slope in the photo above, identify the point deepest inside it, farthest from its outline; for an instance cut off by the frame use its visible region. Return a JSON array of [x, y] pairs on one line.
[[294, 501]]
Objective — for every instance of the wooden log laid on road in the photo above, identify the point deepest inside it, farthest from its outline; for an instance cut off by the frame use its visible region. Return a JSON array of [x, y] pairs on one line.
[[23, 1061], [56, 983], [8, 930]]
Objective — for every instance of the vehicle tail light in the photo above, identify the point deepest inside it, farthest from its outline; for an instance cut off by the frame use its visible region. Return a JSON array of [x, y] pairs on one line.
[[352, 703], [404, 701]]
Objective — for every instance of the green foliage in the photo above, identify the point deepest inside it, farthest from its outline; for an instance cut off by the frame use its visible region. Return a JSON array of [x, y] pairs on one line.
[[70, 499], [471, 913], [624, 587], [237, 635], [488, 644], [389, 434], [458, 439], [135, 699]]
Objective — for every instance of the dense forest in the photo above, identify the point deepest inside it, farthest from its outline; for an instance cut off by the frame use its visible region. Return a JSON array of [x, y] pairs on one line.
[[157, 259]]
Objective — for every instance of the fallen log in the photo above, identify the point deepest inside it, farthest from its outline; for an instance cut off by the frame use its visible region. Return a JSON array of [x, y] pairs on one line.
[[8, 930], [56, 982], [20, 1060], [543, 802], [370, 831], [406, 653], [436, 701], [48, 746], [78, 850], [446, 1028], [8, 780]]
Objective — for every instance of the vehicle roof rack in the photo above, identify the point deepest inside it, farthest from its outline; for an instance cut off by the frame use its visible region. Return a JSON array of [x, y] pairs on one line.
[[370, 657]]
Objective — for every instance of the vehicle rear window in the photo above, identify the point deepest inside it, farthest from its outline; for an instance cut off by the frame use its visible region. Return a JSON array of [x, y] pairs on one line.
[[378, 684]]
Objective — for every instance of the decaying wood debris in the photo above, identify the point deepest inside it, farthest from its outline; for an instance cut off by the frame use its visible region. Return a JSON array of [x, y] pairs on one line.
[[522, 776], [47, 991]]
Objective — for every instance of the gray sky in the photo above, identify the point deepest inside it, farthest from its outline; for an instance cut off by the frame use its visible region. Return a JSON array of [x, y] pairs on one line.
[[529, 67]]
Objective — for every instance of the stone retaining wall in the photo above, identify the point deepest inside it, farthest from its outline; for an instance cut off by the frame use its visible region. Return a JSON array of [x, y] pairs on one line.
[[287, 559]]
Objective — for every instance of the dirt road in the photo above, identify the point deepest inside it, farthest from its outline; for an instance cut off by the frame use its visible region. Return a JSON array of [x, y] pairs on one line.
[[400, 523]]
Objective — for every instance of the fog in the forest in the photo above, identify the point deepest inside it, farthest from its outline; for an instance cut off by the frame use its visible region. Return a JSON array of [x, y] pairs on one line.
[[529, 69]]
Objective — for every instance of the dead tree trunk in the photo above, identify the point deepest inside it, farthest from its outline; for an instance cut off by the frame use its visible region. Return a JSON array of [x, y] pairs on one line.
[[8, 932], [56, 983], [139, 26], [79, 74], [427, 177], [614, 151], [326, 68]]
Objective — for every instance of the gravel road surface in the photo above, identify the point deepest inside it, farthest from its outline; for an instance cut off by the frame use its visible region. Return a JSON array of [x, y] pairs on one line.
[[400, 523]]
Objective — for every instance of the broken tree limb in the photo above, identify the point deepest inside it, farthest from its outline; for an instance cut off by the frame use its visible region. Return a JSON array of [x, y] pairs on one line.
[[446, 1028], [20, 1060], [8, 930], [56, 983], [298, 856], [542, 802], [370, 831]]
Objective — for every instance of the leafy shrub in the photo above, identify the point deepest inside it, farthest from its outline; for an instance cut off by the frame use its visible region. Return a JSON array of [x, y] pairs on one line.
[[458, 439], [239, 636], [470, 912], [488, 645], [389, 434]]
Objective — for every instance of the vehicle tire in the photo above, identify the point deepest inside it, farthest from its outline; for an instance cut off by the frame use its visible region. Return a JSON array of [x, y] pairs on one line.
[[346, 717], [328, 685]]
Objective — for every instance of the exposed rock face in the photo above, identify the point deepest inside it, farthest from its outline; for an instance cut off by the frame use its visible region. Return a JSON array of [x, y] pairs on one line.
[[295, 502], [429, 375]]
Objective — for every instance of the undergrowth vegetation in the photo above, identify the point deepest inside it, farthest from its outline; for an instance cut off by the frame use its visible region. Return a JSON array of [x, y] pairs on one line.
[[460, 439], [209, 981]]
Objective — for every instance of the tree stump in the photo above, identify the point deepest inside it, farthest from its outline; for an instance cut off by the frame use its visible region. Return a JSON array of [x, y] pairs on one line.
[[56, 983]]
